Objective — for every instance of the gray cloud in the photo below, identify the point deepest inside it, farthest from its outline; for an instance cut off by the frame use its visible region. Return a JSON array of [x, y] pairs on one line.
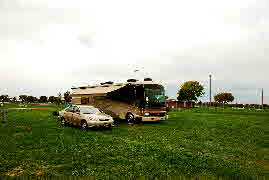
[[48, 46]]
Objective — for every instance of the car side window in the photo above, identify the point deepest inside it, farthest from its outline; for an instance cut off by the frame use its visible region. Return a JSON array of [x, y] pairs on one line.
[[69, 109], [76, 109]]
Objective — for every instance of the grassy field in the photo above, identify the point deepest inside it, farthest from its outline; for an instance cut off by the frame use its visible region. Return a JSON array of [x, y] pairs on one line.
[[206, 143]]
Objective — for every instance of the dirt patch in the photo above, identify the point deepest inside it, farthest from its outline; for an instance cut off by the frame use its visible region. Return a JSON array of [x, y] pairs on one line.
[[17, 171], [34, 165], [40, 172], [38, 169], [232, 158], [263, 163]]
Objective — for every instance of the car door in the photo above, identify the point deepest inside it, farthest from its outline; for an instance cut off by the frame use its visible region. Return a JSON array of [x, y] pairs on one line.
[[76, 116], [68, 114]]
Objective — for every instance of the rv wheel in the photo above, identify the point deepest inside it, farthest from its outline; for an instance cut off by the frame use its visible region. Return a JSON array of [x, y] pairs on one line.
[[130, 118]]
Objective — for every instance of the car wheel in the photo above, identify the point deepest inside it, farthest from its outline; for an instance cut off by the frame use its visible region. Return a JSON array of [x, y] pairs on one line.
[[83, 125], [130, 118]]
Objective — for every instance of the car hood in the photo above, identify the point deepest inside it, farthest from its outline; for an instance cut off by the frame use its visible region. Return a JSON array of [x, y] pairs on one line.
[[104, 115]]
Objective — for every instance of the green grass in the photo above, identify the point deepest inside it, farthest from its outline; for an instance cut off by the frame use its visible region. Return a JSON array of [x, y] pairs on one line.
[[210, 143]]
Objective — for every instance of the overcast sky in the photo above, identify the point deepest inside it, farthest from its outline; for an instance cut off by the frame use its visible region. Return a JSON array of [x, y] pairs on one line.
[[47, 46]]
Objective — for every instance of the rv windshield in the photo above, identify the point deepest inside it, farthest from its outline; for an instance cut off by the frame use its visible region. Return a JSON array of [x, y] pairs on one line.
[[155, 96]]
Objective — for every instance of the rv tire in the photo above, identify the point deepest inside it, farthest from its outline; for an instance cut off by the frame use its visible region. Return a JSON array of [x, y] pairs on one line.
[[130, 118]]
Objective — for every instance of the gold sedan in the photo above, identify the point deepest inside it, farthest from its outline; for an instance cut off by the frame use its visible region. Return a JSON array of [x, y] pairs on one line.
[[85, 117]]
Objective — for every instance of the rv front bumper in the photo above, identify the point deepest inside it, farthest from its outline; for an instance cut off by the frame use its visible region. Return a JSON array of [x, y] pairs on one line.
[[152, 119]]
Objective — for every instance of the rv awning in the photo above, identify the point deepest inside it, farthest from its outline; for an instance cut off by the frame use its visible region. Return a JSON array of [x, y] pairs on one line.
[[96, 90], [104, 89]]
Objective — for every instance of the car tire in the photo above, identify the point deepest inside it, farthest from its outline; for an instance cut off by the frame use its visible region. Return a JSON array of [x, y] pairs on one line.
[[109, 127], [63, 122], [83, 125], [130, 118]]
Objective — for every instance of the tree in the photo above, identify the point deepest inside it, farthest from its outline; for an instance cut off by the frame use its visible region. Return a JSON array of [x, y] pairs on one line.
[[23, 98], [59, 98], [36, 99], [30, 99], [51, 99], [200, 103], [4, 98], [224, 97], [67, 97], [14, 99], [43, 99], [190, 91]]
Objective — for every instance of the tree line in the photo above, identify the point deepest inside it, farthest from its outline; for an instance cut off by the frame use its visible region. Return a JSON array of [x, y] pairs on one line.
[[42, 99], [190, 91]]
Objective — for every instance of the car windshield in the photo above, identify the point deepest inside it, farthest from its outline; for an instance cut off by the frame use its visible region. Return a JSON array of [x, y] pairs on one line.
[[87, 110]]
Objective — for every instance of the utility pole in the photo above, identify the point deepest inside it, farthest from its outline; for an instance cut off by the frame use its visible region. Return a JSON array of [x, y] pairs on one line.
[[210, 89], [262, 98]]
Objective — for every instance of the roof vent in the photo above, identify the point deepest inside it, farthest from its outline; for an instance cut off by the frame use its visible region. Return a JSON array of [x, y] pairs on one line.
[[131, 80], [147, 79], [109, 82]]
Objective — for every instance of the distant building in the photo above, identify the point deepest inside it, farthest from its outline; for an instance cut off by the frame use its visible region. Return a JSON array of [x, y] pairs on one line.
[[173, 103]]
